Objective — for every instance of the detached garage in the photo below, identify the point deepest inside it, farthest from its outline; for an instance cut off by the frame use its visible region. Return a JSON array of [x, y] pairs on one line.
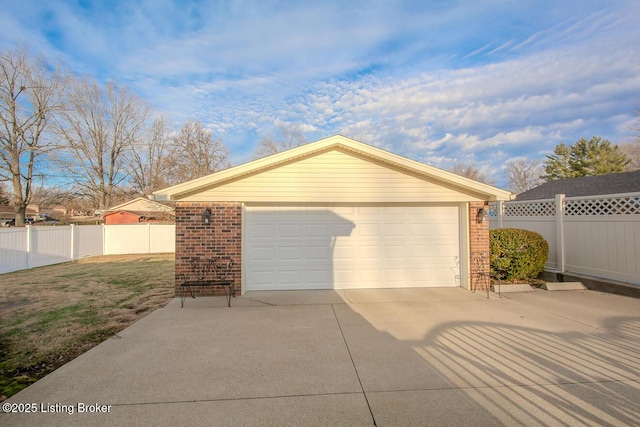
[[334, 214]]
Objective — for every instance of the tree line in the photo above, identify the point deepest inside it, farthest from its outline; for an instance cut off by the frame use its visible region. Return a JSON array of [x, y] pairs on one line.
[[66, 139], [105, 144], [596, 156], [102, 143]]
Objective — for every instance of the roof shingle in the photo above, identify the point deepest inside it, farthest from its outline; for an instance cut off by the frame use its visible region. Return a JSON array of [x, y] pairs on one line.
[[615, 183]]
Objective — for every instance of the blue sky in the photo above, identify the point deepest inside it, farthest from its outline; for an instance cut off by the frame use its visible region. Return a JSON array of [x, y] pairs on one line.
[[437, 81]]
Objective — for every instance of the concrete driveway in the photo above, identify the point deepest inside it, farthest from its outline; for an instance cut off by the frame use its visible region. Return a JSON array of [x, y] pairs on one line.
[[362, 357]]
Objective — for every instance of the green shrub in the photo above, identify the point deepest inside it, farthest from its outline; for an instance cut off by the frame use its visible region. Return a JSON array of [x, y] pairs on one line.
[[517, 255]]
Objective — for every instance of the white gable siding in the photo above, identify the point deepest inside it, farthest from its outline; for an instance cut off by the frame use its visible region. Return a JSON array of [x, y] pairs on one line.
[[141, 204], [333, 177]]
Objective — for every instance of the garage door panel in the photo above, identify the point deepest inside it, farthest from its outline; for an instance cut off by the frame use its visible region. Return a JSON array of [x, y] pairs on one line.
[[318, 277], [394, 230], [290, 253], [395, 274], [420, 231], [317, 230], [262, 278], [368, 212], [345, 276], [368, 229], [343, 253], [394, 210], [341, 229], [344, 210], [262, 230], [394, 253], [262, 254], [291, 277], [319, 253], [290, 230], [317, 214], [368, 277], [372, 252], [287, 212], [348, 247]]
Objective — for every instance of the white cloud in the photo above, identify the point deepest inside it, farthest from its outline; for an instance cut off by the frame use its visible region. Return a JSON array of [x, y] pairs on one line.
[[489, 80]]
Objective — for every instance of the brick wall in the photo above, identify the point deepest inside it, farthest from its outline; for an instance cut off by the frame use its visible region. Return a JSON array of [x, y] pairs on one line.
[[479, 243], [222, 237]]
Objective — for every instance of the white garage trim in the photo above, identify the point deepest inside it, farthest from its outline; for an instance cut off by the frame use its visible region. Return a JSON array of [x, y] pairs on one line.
[[335, 169], [347, 247]]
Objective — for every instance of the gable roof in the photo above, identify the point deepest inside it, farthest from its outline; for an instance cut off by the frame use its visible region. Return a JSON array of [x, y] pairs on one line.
[[142, 214], [144, 204], [10, 211], [335, 143], [615, 183]]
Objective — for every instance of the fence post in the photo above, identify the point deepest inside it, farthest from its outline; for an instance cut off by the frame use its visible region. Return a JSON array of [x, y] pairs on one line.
[[559, 202], [29, 246], [499, 212], [73, 242]]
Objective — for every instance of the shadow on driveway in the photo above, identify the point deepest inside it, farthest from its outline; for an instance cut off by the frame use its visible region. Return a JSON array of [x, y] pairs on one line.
[[388, 357]]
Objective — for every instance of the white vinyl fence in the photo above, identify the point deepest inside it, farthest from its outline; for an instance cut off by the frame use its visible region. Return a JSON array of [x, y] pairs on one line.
[[597, 236], [28, 247]]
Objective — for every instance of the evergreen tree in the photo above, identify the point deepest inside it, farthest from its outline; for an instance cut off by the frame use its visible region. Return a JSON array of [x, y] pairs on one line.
[[597, 157], [558, 164], [585, 158]]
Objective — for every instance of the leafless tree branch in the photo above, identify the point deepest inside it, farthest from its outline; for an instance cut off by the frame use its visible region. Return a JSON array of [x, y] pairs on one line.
[[29, 100], [287, 136]]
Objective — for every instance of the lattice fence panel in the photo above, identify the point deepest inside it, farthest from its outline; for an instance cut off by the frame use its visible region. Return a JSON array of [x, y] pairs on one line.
[[541, 208], [606, 206]]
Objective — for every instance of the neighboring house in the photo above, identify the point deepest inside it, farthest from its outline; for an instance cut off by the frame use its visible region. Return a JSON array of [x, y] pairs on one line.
[[8, 215], [334, 214], [615, 183], [62, 210], [55, 211], [140, 210]]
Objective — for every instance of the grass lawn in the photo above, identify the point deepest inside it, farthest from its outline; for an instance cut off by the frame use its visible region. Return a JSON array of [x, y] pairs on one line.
[[50, 315]]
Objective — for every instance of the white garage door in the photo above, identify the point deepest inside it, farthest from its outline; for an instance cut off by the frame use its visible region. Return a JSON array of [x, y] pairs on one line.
[[347, 247]]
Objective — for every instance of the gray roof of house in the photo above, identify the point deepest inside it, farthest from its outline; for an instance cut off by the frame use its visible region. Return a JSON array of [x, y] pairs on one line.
[[10, 211], [615, 183]]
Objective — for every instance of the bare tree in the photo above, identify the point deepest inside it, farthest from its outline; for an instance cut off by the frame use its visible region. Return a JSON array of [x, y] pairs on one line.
[[288, 136], [472, 171], [99, 127], [59, 196], [195, 153], [29, 99], [360, 138], [149, 160], [632, 151], [524, 174], [4, 195]]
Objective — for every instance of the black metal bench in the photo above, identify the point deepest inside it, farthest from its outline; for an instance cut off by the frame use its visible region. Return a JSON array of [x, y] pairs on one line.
[[223, 276]]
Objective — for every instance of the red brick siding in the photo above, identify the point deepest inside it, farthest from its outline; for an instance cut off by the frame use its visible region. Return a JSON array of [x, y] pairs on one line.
[[478, 243], [222, 237]]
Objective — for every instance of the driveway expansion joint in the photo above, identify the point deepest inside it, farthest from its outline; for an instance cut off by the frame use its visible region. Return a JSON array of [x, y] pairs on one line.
[[346, 344]]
